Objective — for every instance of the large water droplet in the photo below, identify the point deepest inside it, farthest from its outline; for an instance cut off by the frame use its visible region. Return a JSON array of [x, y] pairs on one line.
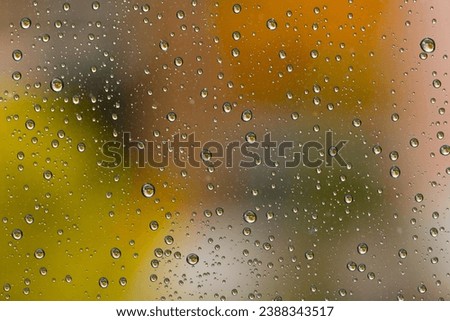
[[362, 248], [271, 24], [192, 259], [103, 282], [250, 217], [25, 23], [17, 55], [148, 190], [428, 45], [57, 84]]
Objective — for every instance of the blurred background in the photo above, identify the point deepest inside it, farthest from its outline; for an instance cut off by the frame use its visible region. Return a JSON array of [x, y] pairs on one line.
[[77, 74]]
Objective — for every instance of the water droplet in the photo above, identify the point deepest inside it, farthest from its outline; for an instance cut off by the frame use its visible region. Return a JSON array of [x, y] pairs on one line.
[[29, 124], [362, 248], [395, 172], [17, 55], [168, 240], [171, 116], [393, 155], [271, 24], [39, 253], [418, 197], [444, 150], [377, 149], [153, 278], [192, 259], [17, 234], [250, 217], [402, 253], [356, 122], [434, 232], [25, 23], [371, 276], [236, 8], [437, 83], [178, 61], [342, 292], [148, 190], [95, 5], [153, 225], [422, 288], [103, 282], [309, 255], [180, 14], [115, 253], [351, 266], [29, 219], [57, 84], [428, 45], [314, 54], [250, 137], [123, 281], [48, 175], [81, 147], [414, 142], [247, 115], [348, 198], [164, 45], [16, 75]]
